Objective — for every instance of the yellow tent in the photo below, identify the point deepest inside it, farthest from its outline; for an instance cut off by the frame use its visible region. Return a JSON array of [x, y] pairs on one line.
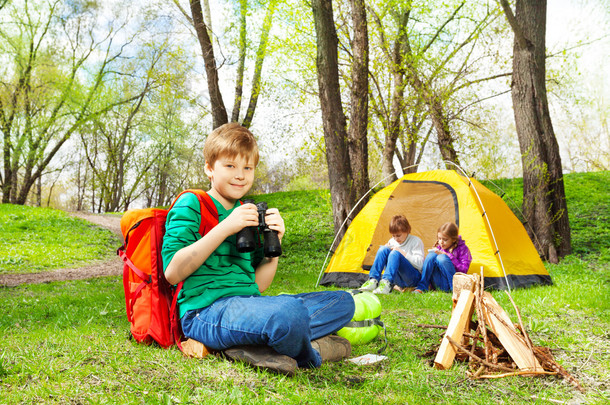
[[497, 240]]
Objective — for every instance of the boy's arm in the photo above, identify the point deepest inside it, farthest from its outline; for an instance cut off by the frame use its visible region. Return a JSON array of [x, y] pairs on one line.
[[190, 257], [265, 272], [415, 254]]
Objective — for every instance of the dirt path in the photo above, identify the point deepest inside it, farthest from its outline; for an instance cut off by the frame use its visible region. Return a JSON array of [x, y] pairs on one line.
[[112, 267]]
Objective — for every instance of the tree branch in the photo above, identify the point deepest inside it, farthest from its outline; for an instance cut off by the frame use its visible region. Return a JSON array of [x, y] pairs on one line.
[[514, 24]]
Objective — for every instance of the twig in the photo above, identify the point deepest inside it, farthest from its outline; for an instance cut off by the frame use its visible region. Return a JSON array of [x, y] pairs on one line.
[[586, 361], [520, 372], [477, 358], [479, 372], [527, 338], [545, 357], [475, 337], [480, 317], [549, 400]]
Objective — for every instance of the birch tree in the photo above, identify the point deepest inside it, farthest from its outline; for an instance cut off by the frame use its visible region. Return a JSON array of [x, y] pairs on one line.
[[49, 83], [205, 37], [427, 61]]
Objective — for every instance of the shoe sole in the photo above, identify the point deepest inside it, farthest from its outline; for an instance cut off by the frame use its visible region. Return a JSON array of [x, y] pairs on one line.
[[264, 357]]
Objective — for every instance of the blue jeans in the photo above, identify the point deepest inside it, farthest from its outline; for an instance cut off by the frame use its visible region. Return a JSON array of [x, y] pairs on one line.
[[398, 269], [438, 271], [287, 323]]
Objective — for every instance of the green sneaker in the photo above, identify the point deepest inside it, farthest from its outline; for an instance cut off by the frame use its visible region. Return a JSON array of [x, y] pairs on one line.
[[369, 285], [385, 287]]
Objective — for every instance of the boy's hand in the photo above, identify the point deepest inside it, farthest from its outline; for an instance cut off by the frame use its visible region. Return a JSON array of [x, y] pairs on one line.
[[241, 217], [275, 222]]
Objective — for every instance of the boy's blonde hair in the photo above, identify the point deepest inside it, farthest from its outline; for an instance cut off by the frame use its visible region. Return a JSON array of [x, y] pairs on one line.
[[399, 223], [230, 140]]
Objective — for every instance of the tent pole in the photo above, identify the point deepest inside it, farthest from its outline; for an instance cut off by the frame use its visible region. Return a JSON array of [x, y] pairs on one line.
[[470, 185]]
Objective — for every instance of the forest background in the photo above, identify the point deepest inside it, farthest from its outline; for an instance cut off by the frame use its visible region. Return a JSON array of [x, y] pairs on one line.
[[104, 104]]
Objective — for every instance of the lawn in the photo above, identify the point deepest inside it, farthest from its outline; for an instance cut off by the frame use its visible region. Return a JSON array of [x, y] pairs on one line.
[[35, 239], [68, 342]]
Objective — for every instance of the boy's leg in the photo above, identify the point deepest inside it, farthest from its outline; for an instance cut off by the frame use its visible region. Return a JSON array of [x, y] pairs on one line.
[[427, 270], [281, 322], [442, 278], [380, 262], [400, 271], [328, 311]]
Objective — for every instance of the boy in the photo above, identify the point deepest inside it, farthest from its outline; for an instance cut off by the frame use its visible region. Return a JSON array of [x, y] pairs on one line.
[[402, 257], [220, 303]]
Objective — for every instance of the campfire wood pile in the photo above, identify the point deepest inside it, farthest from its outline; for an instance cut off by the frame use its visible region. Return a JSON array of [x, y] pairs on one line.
[[492, 344]]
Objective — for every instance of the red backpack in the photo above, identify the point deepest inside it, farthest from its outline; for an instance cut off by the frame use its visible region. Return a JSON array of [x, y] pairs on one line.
[[150, 300]]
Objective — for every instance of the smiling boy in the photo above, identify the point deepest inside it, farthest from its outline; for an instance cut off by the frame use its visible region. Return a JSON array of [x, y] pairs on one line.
[[220, 303]]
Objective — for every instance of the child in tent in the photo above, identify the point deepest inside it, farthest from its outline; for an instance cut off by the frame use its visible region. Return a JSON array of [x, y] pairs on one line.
[[450, 255], [401, 257], [220, 303]]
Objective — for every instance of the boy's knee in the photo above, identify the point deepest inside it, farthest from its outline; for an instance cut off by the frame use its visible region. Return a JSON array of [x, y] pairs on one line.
[[343, 306], [291, 315], [348, 303], [384, 250], [351, 307], [395, 253]]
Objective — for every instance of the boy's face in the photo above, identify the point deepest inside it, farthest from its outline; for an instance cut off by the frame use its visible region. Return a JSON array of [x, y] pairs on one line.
[[231, 177], [400, 237]]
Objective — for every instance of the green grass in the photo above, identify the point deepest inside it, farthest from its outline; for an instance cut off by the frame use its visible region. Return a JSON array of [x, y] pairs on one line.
[[588, 200], [67, 342], [35, 239]]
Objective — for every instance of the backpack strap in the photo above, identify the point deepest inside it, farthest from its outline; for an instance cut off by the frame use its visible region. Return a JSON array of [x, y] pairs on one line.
[[174, 318], [209, 213], [146, 279], [209, 219]]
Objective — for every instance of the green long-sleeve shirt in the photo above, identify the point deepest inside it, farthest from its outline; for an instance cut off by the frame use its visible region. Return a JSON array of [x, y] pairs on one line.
[[225, 273]]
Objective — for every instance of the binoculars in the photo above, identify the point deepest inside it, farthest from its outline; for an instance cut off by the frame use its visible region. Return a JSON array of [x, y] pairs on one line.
[[246, 241]]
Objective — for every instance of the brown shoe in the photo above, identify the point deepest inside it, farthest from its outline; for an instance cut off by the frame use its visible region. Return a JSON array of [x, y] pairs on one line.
[[332, 347], [193, 348], [263, 357]]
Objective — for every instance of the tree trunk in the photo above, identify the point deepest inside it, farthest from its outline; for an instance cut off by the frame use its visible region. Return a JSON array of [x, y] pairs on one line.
[[258, 64], [239, 79], [443, 134], [544, 203], [219, 112], [39, 192], [394, 128], [333, 118], [7, 180], [434, 104], [357, 135]]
